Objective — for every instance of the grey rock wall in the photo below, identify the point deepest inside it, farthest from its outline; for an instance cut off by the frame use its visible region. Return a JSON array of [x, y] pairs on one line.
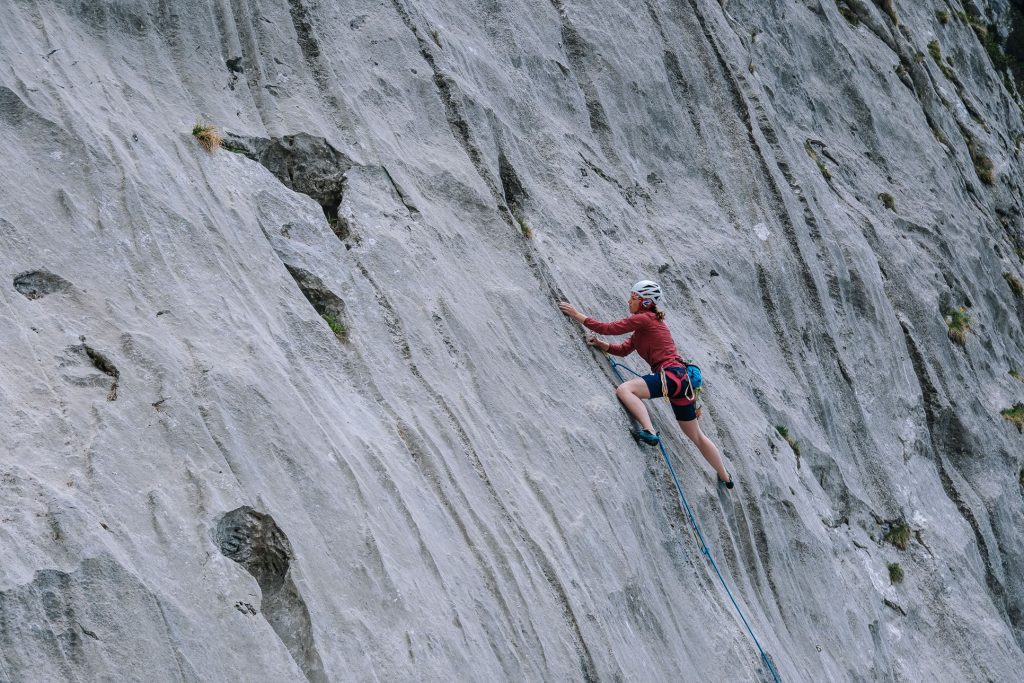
[[201, 478]]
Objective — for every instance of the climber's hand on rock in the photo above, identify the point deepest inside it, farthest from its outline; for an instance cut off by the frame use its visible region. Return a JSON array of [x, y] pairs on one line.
[[568, 309]]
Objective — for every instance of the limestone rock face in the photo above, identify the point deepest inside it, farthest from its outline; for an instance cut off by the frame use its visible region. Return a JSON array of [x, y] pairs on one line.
[[305, 408]]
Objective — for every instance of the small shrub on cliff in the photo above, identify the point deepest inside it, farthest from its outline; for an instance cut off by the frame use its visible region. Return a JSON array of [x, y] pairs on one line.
[[821, 164], [208, 137], [959, 323], [337, 327], [524, 227], [887, 200], [1015, 284], [935, 51], [898, 535], [943, 16], [1015, 414], [895, 573], [793, 443], [1015, 373]]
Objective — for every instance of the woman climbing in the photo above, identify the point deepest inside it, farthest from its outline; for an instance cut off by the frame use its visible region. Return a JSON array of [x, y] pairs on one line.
[[653, 341]]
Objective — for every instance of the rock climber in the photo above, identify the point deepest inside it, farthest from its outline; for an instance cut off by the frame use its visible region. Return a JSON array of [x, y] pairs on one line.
[[652, 339]]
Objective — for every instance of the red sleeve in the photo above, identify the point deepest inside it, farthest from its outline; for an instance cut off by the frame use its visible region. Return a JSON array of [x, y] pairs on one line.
[[630, 324], [623, 349]]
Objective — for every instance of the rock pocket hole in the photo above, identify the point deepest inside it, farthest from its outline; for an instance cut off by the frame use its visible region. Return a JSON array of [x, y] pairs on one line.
[[36, 284], [303, 163], [255, 541], [328, 304]]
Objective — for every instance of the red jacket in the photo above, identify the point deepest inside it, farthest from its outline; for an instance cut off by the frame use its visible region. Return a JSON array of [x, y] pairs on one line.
[[650, 338]]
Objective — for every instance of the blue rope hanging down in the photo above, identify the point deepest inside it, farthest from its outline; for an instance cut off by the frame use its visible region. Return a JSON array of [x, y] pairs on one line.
[[700, 537]]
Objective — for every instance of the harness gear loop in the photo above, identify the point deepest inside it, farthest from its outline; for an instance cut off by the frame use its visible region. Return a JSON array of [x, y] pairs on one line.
[[689, 393]]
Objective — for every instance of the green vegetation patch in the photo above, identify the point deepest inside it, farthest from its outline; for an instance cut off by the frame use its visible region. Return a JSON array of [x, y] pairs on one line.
[[813, 154], [1015, 415], [895, 573], [887, 200], [337, 327], [524, 227], [898, 535], [793, 443], [958, 322]]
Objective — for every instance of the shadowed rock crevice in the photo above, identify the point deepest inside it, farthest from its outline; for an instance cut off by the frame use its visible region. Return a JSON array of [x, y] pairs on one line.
[[35, 284], [79, 366], [328, 304], [303, 163], [511, 187], [253, 540]]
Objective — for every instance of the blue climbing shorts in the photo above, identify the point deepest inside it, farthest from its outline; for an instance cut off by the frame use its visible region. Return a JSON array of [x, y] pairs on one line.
[[677, 383]]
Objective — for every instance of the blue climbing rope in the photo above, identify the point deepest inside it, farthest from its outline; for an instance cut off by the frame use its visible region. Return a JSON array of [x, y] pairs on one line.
[[700, 537]]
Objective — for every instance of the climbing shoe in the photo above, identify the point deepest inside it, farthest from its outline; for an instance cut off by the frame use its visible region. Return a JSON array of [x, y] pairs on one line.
[[646, 437], [727, 484]]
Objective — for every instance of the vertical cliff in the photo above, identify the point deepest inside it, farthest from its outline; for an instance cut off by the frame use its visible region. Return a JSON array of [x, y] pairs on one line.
[[304, 408]]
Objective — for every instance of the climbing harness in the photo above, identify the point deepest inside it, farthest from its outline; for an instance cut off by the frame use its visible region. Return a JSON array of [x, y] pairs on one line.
[[705, 550]]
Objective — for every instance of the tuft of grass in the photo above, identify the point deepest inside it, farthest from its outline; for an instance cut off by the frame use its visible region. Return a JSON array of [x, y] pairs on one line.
[[895, 573], [337, 327], [958, 322], [935, 50], [793, 443], [1015, 284], [899, 535], [436, 36], [524, 227], [943, 16], [821, 164], [208, 137], [1015, 414], [887, 200], [1015, 373], [918, 56]]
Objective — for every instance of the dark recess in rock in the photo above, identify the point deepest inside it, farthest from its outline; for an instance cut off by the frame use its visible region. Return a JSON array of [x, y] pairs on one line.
[[35, 284], [328, 304], [303, 163], [253, 540], [511, 187]]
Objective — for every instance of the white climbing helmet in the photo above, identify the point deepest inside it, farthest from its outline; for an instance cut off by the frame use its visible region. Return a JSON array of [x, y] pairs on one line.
[[648, 289]]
